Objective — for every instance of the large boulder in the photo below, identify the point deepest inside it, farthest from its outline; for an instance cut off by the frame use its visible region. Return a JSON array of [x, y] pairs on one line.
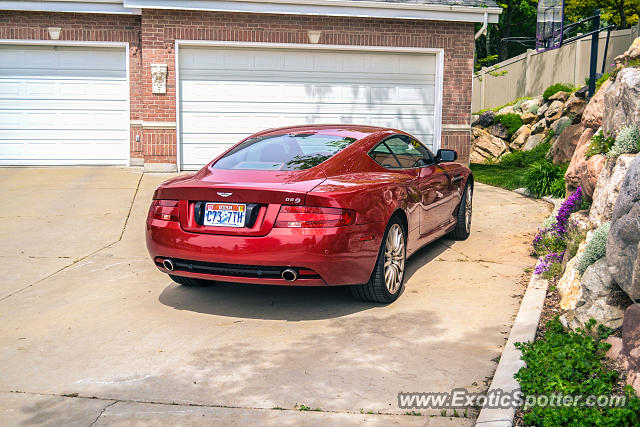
[[507, 110], [622, 101], [623, 243], [533, 141], [608, 188], [499, 130], [569, 284], [543, 109], [600, 299], [528, 118], [574, 107], [560, 125], [631, 342], [563, 148], [540, 126], [520, 137], [554, 112], [527, 105], [487, 145], [584, 172], [592, 114], [485, 119], [632, 53], [559, 96]]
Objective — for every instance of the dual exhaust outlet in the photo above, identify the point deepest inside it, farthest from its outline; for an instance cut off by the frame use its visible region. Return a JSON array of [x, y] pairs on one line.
[[290, 275]]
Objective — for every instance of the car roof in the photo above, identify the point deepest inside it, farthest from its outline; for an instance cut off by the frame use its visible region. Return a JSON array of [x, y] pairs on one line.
[[344, 130]]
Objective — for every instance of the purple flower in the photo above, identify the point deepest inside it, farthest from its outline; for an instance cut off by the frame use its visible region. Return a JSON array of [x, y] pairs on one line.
[[545, 262], [567, 208]]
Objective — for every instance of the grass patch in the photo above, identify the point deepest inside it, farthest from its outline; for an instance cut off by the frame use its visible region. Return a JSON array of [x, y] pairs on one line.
[[558, 87], [573, 363], [509, 177]]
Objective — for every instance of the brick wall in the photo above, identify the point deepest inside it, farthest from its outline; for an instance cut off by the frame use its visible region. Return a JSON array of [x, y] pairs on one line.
[[152, 36]]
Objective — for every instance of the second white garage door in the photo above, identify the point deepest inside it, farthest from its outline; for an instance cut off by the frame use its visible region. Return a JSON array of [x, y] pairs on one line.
[[227, 94]]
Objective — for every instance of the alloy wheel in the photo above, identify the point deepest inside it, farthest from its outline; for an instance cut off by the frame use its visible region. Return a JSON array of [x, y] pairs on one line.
[[468, 209], [394, 258]]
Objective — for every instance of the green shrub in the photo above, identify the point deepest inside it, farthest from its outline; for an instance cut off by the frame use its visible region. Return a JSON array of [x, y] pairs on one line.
[[599, 144], [511, 121], [595, 249], [573, 363], [543, 178], [522, 159], [533, 108], [627, 141], [515, 158], [555, 88]]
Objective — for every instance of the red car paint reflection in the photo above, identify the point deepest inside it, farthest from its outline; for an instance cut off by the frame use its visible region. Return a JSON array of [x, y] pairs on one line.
[[344, 187]]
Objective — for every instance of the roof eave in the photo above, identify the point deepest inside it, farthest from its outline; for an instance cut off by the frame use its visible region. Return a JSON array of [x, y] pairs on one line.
[[365, 9]]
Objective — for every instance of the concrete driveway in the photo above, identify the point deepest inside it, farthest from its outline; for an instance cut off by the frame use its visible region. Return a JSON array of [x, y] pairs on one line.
[[92, 333]]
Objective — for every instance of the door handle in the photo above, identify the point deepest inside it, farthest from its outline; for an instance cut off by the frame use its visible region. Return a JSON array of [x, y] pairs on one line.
[[457, 178]]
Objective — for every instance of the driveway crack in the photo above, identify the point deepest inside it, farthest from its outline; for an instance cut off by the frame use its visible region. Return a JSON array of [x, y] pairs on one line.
[[124, 227], [102, 412]]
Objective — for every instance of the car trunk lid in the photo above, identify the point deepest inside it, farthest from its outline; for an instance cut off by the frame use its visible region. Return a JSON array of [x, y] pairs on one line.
[[262, 193]]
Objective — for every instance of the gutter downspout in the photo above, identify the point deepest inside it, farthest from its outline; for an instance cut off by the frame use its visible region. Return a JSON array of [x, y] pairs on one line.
[[483, 29]]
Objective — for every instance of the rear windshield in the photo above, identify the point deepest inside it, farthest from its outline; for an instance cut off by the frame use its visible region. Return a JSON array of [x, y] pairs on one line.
[[283, 152]]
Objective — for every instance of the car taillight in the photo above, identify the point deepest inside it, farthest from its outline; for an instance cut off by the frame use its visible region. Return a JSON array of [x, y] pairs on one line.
[[313, 217], [166, 210]]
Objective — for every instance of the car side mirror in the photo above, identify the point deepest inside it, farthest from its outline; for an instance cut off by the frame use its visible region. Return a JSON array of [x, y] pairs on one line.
[[446, 156]]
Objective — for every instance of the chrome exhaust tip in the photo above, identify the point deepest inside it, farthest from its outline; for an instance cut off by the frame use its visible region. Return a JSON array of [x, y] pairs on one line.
[[290, 275], [168, 264]]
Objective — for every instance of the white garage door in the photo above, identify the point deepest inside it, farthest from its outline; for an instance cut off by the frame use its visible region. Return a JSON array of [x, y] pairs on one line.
[[63, 105], [228, 94]]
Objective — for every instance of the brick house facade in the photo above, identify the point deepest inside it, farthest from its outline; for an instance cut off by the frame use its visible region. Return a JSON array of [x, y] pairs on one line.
[[151, 37]]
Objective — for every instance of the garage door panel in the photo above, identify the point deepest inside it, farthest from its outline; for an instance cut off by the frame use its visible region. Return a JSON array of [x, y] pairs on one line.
[[56, 89], [224, 91], [69, 121], [63, 105], [228, 94]]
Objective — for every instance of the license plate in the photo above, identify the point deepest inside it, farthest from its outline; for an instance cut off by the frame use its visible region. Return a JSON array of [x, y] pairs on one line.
[[224, 214]]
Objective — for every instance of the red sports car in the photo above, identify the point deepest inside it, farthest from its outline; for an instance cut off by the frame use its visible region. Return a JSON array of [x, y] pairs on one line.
[[317, 205]]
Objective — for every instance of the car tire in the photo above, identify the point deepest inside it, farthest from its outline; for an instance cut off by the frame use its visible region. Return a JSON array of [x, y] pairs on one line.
[[190, 281], [465, 209], [393, 252]]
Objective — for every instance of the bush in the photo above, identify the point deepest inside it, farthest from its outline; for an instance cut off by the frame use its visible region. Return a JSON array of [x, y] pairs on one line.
[[522, 159], [558, 87], [533, 108], [627, 141], [543, 178], [511, 121], [572, 363], [595, 249], [599, 144]]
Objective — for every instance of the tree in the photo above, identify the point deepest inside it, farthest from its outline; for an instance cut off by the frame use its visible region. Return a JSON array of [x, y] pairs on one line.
[[622, 13], [518, 19]]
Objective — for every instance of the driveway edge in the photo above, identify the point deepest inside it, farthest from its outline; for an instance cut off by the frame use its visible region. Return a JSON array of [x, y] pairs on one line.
[[524, 329]]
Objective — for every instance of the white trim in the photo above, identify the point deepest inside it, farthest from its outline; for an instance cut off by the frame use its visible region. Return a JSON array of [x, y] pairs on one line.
[[456, 128], [439, 52], [64, 43], [75, 6], [176, 53], [349, 8], [124, 45]]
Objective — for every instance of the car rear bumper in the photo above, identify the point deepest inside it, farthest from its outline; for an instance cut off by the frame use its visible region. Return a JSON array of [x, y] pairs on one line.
[[335, 256]]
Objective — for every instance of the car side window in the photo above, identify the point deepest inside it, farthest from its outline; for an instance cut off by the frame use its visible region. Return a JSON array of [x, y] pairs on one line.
[[408, 152], [384, 157]]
